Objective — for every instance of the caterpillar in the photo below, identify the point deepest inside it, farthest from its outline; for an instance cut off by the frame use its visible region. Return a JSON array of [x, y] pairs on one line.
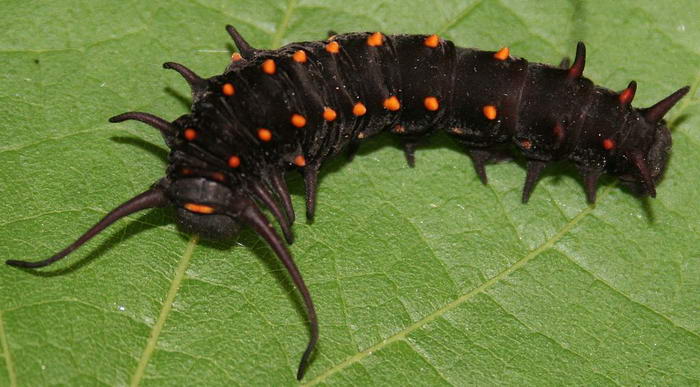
[[276, 111]]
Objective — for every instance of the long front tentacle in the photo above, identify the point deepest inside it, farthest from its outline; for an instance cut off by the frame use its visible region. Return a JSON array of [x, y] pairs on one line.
[[252, 216], [154, 197]]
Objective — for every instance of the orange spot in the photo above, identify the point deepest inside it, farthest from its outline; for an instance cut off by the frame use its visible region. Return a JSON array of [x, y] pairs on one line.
[[186, 171], [234, 161], [399, 129], [190, 134], [228, 89], [392, 103], [626, 96], [299, 56], [218, 176], [333, 47], [298, 120], [526, 144], [359, 109], [264, 134], [490, 112], [608, 144], [235, 57], [269, 66], [329, 114], [376, 39], [431, 103], [199, 208], [299, 161], [558, 131], [502, 54], [432, 41]]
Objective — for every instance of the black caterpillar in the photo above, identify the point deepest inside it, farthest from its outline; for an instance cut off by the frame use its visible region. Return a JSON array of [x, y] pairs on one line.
[[272, 111]]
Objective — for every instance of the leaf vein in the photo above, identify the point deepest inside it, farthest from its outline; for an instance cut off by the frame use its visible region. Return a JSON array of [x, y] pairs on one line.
[[9, 363], [551, 340], [465, 12], [629, 298], [164, 312], [284, 23], [418, 231], [454, 304], [418, 353]]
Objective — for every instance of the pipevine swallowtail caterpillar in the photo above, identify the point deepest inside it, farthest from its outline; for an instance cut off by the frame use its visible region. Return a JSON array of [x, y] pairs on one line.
[[274, 111]]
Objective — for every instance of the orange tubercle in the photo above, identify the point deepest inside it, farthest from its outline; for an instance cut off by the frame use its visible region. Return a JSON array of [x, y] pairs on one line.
[[299, 56], [359, 109], [392, 103], [431, 103], [299, 161], [558, 131], [234, 161], [626, 96], [218, 176], [190, 134], [235, 57], [298, 120], [490, 112], [199, 208], [526, 144], [269, 67], [376, 39], [502, 54], [333, 47], [264, 134], [432, 41], [608, 144], [228, 89], [329, 114]]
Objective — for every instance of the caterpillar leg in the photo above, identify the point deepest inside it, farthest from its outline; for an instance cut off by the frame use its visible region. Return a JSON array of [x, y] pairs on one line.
[[534, 169], [409, 142], [480, 157], [409, 150], [352, 149], [590, 184]]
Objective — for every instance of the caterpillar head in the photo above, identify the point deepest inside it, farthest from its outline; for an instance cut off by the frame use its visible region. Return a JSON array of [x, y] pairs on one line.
[[642, 160], [203, 207], [216, 210], [209, 207]]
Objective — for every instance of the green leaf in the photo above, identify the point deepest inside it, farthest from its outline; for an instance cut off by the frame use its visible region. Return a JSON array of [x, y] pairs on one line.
[[420, 276]]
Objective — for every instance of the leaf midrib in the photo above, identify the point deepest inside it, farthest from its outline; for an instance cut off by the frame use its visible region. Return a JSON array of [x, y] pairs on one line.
[[401, 335], [9, 363], [164, 312]]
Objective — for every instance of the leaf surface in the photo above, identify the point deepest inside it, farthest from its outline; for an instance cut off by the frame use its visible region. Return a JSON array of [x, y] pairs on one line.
[[420, 276]]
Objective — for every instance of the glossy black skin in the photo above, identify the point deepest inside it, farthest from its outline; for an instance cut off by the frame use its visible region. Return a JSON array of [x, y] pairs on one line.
[[531, 99]]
